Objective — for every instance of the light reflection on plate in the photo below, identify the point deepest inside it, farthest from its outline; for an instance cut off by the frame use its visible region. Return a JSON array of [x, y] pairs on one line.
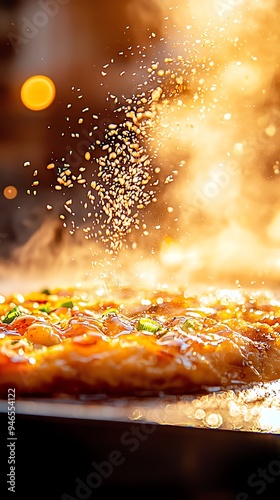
[[252, 409]]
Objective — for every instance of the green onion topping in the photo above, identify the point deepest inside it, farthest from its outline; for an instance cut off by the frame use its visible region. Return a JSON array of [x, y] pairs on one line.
[[44, 308], [11, 315], [68, 304], [188, 325], [150, 325]]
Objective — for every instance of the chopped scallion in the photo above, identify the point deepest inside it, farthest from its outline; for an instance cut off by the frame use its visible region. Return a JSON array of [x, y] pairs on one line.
[[11, 315], [150, 325], [68, 304], [189, 325], [44, 308]]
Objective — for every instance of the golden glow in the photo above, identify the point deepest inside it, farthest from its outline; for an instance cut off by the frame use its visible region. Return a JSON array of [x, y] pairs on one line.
[[38, 92], [171, 253], [269, 419], [10, 192], [245, 78], [273, 230]]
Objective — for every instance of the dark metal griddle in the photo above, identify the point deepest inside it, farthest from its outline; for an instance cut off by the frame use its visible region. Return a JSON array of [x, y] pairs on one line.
[[207, 446]]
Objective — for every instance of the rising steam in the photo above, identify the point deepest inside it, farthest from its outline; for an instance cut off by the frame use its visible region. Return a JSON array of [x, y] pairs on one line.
[[226, 129]]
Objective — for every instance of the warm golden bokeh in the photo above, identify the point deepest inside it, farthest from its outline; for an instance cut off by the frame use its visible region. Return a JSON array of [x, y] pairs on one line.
[[10, 192], [38, 92]]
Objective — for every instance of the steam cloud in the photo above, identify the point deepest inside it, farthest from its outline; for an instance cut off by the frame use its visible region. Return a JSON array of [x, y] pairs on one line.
[[226, 195]]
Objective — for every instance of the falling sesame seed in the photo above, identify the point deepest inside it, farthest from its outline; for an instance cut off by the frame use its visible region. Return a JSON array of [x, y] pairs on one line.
[[121, 173]]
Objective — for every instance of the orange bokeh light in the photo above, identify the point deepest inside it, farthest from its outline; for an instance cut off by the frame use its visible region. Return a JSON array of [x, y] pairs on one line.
[[10, 192], [38, 92]]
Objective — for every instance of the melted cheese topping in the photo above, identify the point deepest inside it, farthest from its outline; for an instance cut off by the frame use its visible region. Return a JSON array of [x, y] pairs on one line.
[[68, 342]]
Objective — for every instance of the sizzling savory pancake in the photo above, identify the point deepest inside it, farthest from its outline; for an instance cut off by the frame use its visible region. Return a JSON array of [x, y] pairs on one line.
[[66, 341]]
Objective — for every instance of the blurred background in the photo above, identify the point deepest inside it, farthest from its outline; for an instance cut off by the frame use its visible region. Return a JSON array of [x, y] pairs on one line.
[[214, 143], [69, 41]]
